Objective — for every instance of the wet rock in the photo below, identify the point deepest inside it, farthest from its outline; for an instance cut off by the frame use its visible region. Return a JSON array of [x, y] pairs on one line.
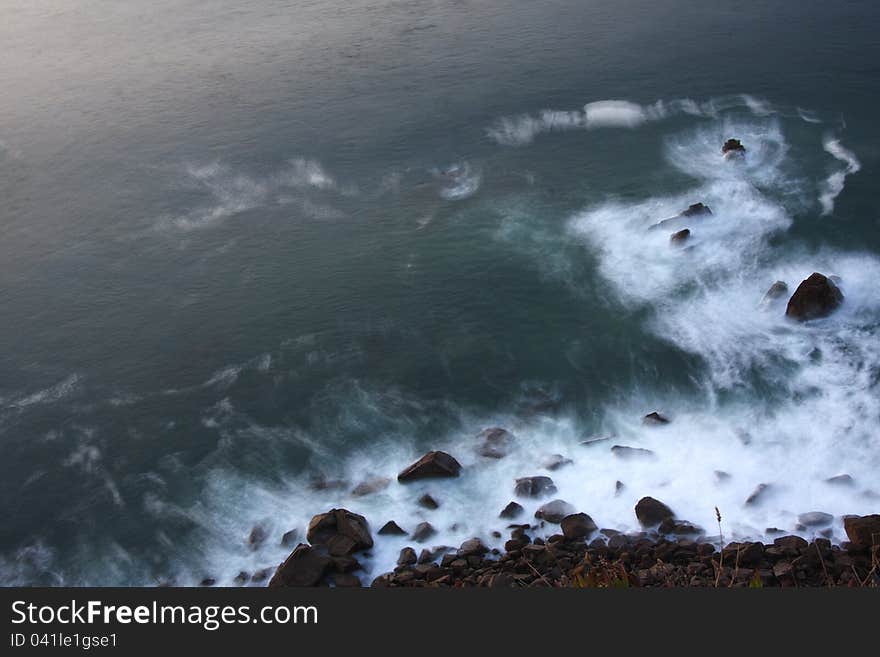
[[554, 511], [242, 578], [370, 486], [679, 528], [512, 510], [840, 480], [778, 290], [341, 531], [815, 519], [577, 526], [503, 581], [655, 419], [618, 487], [759, 494], [680, 236], [495, 443], [305, 566], [391, 528], [261, 575], [696, 210], [321, 484], [791, 545], [346, 580], [556, 461], [815, 297], [208, 581], [592, 442], [721, 476], [407, 557], [862, 530], [472, 547], [289, 538], [423, 531], [743, 554], [624, 452], [651, 512], [733, 148], [257, 537], [534, 486], [431, 465], [428, 502], [345, 564]]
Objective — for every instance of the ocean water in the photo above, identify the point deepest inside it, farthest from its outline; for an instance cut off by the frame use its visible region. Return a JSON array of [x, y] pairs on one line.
[[246, 246]]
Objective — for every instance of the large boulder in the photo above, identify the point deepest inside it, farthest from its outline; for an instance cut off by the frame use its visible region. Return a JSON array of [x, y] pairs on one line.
[[305, 566], [534, 486], [863, 530], [340, 531], [495, 442], [554, 511], [651, 512], [816, 296], [577, 525], [431, 465]]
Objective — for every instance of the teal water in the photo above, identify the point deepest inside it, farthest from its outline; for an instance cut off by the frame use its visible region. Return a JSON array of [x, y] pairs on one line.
[[246, 246]]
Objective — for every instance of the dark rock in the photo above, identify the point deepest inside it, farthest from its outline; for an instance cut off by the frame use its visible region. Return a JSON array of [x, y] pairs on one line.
[[261, 575], [407, 557], [556, 461], [496, 442], [428, 502], [815, 519], [208, 581], [696, 210], [790, 544], [652, 512], [655, 418], [322, 484], [304, 567], [618, 487], [472, 547], [257, 537], [512, 510], [863, 530], [815, 297], [431, 465], [371, 486], [679, 528], [289, 538], [423, 532], [733, 147], [840, 480], [743, 554], [624, 452], [346, 580], [591, 442], [502, 581], [759, 494], [345, 564], [341, 531], [391, 528], [680, 236], [534, 486], [242, 578], [577, 526], [554, 511], [778, 290]]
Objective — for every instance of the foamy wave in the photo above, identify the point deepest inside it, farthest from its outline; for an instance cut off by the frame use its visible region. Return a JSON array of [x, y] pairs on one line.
[[834, 184], [52, 394]]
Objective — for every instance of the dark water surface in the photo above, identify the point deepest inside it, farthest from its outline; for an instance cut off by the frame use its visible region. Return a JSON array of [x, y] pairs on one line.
[[247, 243]]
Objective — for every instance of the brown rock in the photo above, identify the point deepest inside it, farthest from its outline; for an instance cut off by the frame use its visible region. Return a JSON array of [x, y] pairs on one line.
[[863, 531], [428, 502], [816, 296], [342, 531], [554, 511], [496, 442], [680, 236], [534, 486], [423, 532], [391, 528], [371, 486], [431, 465], [304, 567], [652, 512], [577, 526], [512, 510]]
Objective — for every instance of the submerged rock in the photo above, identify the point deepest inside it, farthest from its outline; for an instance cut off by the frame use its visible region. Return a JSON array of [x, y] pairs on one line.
[[305, 566], [815, 519], [534, 486], [624, 452], [840, 480], [431, 465], [655, 419], [651, 512], [496, 442], [371, 486], [554, 511], [428, 502], [257, 537], [556, 461], [423, 531], [341, 531], [758, 494], [696, 210], [816, 296], [289, 538], [733, 148], [778, 290]]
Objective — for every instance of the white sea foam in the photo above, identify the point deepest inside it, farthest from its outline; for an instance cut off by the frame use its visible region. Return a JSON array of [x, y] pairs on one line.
[[833, 186], [51, 394]]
